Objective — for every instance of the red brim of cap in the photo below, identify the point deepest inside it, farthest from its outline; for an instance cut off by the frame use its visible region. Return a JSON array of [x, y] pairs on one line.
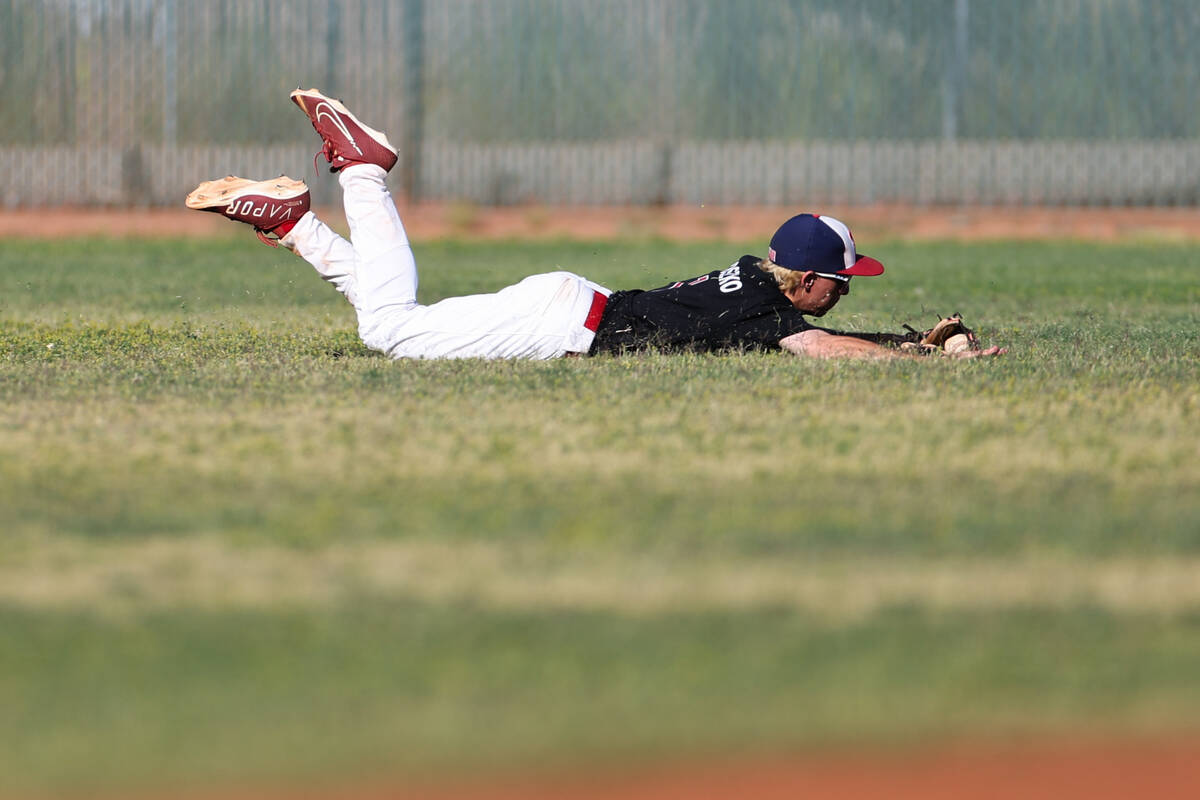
[[865, 266]]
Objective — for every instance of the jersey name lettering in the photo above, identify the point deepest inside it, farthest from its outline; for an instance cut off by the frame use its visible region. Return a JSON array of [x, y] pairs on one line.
[[730, 279]]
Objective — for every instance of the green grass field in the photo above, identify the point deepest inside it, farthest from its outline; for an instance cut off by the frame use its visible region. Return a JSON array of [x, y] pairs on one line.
[[237, 546]]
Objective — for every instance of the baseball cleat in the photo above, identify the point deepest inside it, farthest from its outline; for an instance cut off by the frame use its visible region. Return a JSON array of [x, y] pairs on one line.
[[346, 140], [271, 206]]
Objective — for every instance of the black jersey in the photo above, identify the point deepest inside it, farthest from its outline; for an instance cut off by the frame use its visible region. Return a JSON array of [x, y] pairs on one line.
[[740, 307]]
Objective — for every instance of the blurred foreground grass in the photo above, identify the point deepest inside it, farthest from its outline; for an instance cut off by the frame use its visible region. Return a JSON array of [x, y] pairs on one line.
[[236, 544]]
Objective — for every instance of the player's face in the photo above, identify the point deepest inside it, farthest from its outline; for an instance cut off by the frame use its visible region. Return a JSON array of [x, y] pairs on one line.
[[818, 296]]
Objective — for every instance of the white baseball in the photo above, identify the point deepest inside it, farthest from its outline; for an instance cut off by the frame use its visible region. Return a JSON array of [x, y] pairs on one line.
[[957, 343]]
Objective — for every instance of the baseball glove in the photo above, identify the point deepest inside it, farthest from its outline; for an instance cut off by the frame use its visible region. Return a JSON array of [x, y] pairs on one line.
[[948, 336]]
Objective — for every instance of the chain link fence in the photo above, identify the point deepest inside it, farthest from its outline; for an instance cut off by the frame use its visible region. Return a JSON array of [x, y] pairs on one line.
[[1077, 102]]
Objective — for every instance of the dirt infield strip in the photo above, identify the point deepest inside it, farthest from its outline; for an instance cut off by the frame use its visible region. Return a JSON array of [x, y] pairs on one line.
[[680, 223], [1096, 770]]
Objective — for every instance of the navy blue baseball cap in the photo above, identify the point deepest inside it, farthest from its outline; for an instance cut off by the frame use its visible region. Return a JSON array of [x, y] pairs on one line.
[[821, 244]]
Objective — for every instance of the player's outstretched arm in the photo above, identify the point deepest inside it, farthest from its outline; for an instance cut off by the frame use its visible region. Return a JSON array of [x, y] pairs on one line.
[[817, 343]]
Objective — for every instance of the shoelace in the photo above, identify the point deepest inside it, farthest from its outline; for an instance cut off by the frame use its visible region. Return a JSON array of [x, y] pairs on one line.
[[261, 233], [326, 150]]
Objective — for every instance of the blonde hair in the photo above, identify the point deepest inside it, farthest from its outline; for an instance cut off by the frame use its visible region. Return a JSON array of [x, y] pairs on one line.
[[787, 279]]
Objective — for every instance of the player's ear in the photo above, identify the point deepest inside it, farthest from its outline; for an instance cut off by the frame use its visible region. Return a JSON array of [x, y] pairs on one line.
[[808, 279]]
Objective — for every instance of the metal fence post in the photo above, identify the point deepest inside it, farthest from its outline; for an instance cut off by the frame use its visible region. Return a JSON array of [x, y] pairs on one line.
[[169, 87], [333, 20], [414, 99], [956, 69]]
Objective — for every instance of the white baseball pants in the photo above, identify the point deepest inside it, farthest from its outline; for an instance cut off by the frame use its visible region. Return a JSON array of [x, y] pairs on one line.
[[544, 316]]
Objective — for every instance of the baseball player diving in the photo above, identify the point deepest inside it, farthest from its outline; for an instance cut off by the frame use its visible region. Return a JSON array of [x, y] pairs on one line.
[[755, 303]]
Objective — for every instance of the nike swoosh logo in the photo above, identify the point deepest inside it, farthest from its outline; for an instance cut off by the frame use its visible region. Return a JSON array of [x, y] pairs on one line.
[[325, 110]]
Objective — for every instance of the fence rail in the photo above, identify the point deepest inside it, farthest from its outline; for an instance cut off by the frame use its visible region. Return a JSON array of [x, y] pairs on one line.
[[623, 101]]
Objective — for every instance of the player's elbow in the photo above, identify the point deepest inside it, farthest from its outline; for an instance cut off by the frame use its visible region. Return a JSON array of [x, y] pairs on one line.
[[811, 343]]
